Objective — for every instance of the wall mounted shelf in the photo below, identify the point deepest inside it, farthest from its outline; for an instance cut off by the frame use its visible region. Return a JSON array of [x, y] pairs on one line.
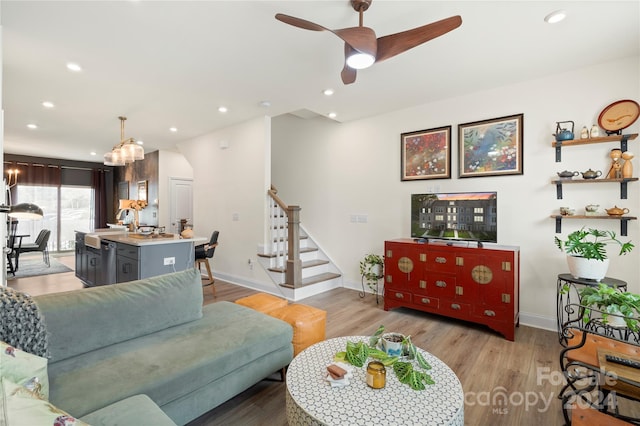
[[623, 184], [613, 138], [623, 221]]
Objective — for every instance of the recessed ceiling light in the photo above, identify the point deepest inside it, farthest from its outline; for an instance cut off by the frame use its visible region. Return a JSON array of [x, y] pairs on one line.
[[173, 129], [222, 109], [48, 104], [32, 126], [72, 66], [142, 143], [92, 153], [332, 115], [328, 92], [555, 17], [265, 104]]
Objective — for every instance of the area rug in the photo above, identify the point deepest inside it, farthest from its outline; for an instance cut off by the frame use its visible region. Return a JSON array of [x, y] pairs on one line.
[[34, 266]]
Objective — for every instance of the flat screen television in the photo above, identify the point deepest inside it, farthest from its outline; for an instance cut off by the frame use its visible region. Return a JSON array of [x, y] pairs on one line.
[[462, 216]]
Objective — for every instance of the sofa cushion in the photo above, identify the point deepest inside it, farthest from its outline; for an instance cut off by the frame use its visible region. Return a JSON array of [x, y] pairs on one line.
[[22, 367], [137, 410], [83, 320], [170, 363], [21, 407]]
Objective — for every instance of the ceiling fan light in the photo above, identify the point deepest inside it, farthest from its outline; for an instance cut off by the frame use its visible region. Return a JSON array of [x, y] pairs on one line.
[[360, 60]]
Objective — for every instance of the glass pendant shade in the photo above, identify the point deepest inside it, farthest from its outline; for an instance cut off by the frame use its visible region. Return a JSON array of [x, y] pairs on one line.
[[138, 152], [126, 154], [112, 158]]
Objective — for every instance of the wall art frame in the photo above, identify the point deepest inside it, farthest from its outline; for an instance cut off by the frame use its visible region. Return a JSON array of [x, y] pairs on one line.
[[123, 190], [142, 190], [426, 154], [491, 147]]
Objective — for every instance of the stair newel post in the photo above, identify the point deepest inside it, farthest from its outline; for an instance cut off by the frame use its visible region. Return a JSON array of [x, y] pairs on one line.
[[294, 263]]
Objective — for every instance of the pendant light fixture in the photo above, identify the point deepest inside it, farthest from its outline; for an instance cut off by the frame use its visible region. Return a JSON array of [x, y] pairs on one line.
[[127, 151]]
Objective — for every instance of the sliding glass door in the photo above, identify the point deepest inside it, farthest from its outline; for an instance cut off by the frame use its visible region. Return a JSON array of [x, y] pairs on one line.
[[66, 209]]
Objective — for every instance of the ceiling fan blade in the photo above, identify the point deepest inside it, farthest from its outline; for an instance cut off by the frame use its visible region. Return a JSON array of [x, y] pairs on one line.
[[348, 74], [300, 23], [394, 44]]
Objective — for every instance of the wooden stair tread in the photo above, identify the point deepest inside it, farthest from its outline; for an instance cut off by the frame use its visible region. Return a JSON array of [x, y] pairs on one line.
[[326, 276], [302, 250], [306, 264]]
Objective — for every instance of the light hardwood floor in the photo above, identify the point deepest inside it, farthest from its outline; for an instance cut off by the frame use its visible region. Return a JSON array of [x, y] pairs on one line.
[[488, 366]]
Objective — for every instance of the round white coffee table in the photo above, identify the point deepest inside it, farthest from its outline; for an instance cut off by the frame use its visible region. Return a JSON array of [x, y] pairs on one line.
[[312, 401]]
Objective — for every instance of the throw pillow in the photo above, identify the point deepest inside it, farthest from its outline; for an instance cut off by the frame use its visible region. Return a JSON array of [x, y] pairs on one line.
[[20, 406], [22, 367]]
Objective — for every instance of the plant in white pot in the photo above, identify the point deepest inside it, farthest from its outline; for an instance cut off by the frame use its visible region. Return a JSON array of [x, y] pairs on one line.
[[371, 269], [587, 252], [618, 308]]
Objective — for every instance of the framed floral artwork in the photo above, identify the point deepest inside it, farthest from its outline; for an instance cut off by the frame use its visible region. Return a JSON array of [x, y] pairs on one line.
[[491, 147], [426, 154]]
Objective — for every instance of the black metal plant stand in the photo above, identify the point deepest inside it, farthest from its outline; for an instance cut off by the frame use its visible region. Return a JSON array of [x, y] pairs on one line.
[[362, 293]]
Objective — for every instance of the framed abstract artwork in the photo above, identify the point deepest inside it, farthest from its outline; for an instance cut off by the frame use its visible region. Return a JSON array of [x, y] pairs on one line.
[[491, 147], [426, 154]]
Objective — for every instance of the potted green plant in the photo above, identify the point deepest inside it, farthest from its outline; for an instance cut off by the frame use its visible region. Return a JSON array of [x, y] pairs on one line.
[[587, 251], [610, 300], [371, 270]]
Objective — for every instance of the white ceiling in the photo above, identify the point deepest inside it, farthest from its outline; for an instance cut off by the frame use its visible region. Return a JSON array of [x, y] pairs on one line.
[[173, 63]]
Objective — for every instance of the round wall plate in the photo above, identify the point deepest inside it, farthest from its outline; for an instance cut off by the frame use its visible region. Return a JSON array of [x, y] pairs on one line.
[[619, 115]]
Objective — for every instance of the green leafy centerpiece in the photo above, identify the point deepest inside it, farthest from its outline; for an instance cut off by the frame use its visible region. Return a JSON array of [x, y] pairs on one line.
[[357, 354]]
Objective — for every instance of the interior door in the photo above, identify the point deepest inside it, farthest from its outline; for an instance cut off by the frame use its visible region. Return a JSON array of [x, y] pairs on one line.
[[181, 202]]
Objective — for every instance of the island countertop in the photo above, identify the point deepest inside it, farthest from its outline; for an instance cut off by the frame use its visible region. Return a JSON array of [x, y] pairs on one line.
[[149, 240]]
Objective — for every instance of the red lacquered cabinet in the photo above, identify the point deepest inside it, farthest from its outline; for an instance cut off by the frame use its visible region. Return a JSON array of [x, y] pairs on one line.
[[477, 284]]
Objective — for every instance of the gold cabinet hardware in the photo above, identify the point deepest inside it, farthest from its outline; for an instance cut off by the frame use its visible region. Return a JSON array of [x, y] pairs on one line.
[[455, 306], [506, 298], [459, 261], [426, 300], [423, 257], [423, 284], [489, 313], [389, 253], [389, 278], [441, 284], [440, 259], [399, 296], [506, 266], [459, 290]]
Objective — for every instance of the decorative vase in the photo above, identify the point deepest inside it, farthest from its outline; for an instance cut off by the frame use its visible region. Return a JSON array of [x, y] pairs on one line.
[[584, 133], [591, 269], [616, 321], [595, 131], [627, 167]]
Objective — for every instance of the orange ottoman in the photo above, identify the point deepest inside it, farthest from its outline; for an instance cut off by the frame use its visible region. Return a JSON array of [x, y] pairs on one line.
[[262, 302], [308, 324]]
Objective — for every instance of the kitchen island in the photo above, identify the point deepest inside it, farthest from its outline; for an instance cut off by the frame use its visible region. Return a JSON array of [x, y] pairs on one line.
[[109, 256]]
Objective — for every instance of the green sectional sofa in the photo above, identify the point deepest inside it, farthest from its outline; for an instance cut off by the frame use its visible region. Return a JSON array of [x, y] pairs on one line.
[[153, 337]]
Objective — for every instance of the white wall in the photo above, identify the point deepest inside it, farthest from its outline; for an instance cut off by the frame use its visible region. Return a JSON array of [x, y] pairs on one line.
[[230, 192], [335, 170], [170, 165]]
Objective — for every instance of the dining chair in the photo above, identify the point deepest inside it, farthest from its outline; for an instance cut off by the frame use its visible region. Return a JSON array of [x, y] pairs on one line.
[[41, 244], [13, 244], [203, 253]]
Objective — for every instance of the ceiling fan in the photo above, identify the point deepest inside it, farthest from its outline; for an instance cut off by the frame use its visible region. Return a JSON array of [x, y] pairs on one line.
[[361, 47]]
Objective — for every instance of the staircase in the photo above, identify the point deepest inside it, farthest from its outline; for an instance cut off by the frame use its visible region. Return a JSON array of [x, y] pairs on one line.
[[294, 260]]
